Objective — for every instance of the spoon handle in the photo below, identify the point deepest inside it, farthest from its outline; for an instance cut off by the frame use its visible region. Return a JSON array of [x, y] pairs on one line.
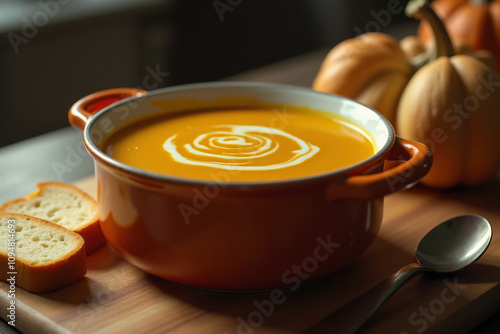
[[351, 317]]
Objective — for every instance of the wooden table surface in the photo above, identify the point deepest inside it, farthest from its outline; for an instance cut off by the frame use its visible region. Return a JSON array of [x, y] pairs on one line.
[[116, 297]]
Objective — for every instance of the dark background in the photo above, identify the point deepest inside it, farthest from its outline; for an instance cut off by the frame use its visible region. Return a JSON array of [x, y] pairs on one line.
[[52, 55]]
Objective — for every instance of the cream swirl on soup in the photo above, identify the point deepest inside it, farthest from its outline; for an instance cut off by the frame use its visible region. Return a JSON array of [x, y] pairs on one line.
[[246, 147], [252, 144]]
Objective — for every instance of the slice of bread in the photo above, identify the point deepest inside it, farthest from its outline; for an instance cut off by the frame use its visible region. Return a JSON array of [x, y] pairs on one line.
[[65, 205], [38, 255]]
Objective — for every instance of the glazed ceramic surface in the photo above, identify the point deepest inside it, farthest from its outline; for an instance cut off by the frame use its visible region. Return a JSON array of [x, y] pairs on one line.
[[242, 236]]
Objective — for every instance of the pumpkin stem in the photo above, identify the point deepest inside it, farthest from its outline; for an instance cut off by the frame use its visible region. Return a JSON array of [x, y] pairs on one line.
[[420, 10]]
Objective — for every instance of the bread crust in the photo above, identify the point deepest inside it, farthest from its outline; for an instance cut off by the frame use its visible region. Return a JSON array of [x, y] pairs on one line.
[[46, 277], [90, 230]]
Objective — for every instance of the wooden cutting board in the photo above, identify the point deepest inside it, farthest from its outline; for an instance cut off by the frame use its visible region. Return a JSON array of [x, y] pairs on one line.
[[116, 297]]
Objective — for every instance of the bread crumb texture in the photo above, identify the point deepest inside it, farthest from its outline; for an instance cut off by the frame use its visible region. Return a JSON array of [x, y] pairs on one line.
[[57, 204], [36, 244]]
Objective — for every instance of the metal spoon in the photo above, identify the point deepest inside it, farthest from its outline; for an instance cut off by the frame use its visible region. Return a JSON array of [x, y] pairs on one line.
[[450, 246]]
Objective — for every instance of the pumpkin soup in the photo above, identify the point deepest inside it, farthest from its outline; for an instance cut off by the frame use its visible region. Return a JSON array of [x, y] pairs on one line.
[[255, 144]]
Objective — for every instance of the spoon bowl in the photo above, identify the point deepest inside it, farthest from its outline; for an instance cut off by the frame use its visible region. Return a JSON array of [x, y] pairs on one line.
[[454, 244]]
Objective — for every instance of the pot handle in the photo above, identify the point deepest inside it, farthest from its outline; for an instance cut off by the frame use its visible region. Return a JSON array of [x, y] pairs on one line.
[[416, 162], [85, 108]]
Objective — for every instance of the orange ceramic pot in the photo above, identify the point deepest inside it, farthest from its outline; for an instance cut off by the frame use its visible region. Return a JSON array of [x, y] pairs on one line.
[[242, 236]]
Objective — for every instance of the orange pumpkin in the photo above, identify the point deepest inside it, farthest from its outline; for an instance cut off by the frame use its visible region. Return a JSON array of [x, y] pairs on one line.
[[451, 104], [444, 95], [371, 69], [475, 22]]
